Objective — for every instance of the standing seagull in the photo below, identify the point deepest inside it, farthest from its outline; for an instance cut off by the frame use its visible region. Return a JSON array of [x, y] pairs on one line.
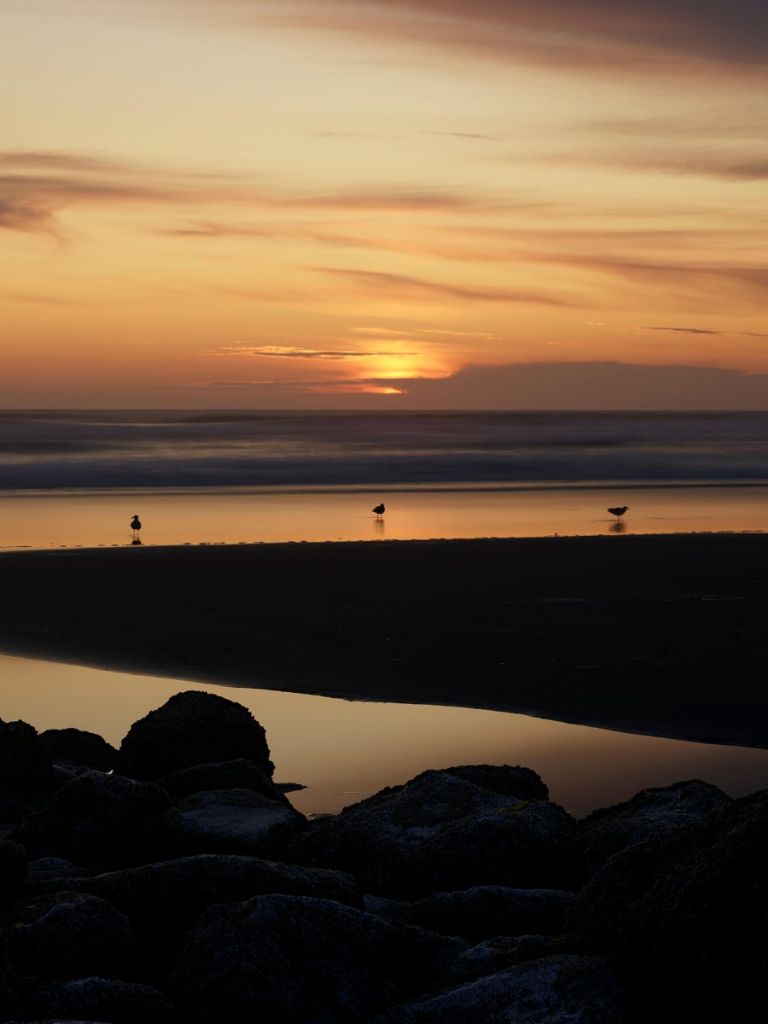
[[618, 511], [379, 510], [136, 526]]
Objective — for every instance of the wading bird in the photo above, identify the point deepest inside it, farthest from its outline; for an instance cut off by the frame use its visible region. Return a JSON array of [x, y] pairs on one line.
[[379, 510], [618, 511], [136, 526]]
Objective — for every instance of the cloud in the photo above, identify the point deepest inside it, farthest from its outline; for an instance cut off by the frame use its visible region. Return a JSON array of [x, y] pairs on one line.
[[683, 330], [709, 162], [589, 385], [35, 187], [650, 36], [414, 287], [478, 136], [296, 352]]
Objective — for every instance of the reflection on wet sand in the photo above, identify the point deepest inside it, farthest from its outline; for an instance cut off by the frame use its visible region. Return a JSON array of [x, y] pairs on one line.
[[93, 519]]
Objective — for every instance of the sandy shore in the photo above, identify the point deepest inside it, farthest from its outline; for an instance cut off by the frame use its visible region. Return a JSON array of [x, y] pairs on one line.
[[657, 634]]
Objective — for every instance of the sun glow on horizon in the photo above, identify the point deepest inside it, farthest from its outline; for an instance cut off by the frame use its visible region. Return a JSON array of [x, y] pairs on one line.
[[269, 184]]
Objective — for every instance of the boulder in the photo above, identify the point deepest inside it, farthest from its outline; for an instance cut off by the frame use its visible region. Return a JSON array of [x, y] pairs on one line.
[[49, 869], [77, 747], [572, 989], [648, 815], [69, 935], [300, 959], [192, 728], [237, 774], [163, 900], [497, 955], [25, 768], [486, 911], [688, 909], [101, 999], [98, 819], [13, 870], [442, 831], [232, 821]]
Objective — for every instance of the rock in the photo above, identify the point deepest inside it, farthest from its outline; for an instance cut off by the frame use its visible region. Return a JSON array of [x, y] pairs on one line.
[[25, 769], [238, 774], [162, 900], [506, 779], [69, 935], [555, 990], [101, 999], [74, 746], [689, 910], [189, 729], [12, 810], [649, 814], [497, 955], [486, 911], [98, 819], [46, 869], [443, 832], [300, 959], [13, 870], [232, 821]]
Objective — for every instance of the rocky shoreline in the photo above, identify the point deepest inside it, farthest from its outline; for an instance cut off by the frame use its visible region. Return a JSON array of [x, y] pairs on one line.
[[172, 881]]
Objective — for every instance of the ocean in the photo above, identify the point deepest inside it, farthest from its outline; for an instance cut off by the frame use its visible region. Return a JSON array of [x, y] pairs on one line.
[[71, 477]]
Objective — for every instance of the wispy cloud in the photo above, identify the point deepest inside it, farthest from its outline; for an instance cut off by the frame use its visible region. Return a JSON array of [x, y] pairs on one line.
[[297, 352], [414, 287], [649, 36], [36, 186], [683, 330]]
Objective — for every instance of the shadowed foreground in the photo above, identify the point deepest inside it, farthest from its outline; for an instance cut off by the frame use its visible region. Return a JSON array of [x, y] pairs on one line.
[[658, 634]]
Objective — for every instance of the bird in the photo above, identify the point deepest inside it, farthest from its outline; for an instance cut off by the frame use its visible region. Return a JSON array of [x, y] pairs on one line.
[[618, 511], [136, 526], [379, 510]]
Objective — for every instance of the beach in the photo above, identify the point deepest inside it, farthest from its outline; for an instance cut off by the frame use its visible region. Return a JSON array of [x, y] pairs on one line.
[[655, 634]]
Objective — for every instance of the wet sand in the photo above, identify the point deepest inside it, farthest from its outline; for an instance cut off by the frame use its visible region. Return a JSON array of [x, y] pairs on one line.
[[657, 634]]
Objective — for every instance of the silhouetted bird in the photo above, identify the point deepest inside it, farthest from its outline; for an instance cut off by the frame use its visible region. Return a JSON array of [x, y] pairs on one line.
[[618, 511], [136, 526], [379, 510]]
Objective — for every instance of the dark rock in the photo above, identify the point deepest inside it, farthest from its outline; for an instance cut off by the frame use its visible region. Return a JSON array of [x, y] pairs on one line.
[[13, 870], [12, 810], [25, 769], [497, 955], [46, 869], [232, 821], [101, 999], [440, 832], [97, 820], [238, 774], [69, 935], [556, 990], [163, 900], [74, 746], [189, 729], [10, 1004], [485, 911], [689, 910], [303, 960], [506, 779], [648, 815]]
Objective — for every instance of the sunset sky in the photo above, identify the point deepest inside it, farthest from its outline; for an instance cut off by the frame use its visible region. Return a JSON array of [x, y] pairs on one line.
[[319, 203]]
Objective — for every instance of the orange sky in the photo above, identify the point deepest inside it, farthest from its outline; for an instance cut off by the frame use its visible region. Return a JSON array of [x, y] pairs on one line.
[[310, 203]]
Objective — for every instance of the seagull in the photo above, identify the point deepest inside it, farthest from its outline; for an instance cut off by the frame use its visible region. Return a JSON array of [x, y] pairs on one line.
[[618, 511], [379, 510]]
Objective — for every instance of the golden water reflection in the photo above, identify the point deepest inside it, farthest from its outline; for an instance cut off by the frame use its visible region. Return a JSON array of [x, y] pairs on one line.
[[345, 750], [89, 519]]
